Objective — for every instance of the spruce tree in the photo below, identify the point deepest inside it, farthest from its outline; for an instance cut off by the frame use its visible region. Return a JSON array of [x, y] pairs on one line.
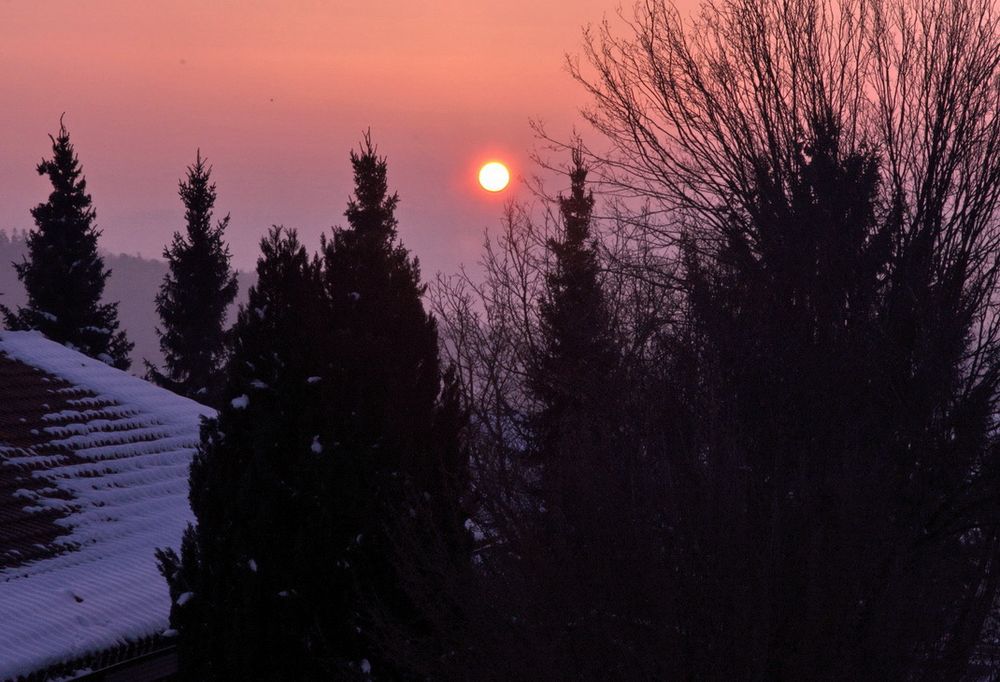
[[241, 608], [575, 365], [575, 556], [397, 423], [337, 437], [63, 274], [195, 294]]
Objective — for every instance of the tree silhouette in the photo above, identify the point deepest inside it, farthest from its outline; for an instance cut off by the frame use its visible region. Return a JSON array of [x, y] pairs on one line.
[[813, 491], [829, 174], [63, 274], [574, 368], [241, 606], [194, 296], [397, 425], [338, 442]]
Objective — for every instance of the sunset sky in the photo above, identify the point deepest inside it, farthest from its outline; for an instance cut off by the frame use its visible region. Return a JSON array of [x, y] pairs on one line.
[[276, 93]]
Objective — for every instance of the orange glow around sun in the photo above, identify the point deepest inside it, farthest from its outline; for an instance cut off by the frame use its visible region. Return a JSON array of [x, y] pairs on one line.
[[494, 176]]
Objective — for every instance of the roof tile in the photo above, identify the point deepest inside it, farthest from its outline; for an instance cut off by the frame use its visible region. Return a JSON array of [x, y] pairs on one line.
[[93, 478]]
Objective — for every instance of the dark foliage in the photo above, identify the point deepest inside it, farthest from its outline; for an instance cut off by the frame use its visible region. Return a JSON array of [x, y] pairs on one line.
[[397, 426], [829, 398], [564, 585], [246, 615], [134, 282], [798, 475], [63, 274], [194, 296], [836, 461], [338, 444], [573, 373]]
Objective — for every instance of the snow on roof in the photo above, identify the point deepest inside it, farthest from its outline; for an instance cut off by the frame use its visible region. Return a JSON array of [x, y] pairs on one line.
[[93, 478]]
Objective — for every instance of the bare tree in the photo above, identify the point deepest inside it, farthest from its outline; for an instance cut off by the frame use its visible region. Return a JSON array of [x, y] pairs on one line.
[[829, 170]]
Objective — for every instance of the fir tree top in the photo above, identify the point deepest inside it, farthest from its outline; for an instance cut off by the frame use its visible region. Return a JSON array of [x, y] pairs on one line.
[[68, 204], [578, 207], [372, 210], [574, 312], [198, 194]]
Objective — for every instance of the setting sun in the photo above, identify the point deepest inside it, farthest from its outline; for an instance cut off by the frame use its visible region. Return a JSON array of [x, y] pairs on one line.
[[494, 176]]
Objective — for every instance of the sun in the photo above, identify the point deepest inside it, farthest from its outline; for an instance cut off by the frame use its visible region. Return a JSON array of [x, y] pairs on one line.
[[494, 176]]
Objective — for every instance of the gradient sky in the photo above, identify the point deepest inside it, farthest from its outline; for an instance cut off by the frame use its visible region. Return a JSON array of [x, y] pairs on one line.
[[276, 93]]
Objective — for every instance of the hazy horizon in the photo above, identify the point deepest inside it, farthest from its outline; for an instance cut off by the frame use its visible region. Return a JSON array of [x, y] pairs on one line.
[[275, 95]]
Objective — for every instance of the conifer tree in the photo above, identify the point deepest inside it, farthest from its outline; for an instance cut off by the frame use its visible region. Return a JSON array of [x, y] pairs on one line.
[[573, 556], [195, 294], [240, 605], [396, 423], [336, 435], [577, 358], [63, 274]]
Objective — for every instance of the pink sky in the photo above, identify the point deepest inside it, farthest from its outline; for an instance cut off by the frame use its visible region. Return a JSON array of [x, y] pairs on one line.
[[276, 93]]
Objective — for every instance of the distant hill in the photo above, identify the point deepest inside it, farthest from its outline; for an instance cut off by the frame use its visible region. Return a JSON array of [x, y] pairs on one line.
[[133, 283]]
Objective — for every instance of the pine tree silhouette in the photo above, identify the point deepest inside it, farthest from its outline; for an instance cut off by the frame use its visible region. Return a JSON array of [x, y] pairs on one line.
[[194, 296], [248, 613], [577, 356], [63, 274], [335, 427], [395, 421]]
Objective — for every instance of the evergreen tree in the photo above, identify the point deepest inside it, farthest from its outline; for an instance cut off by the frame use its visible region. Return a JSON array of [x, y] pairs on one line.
[[63, 274], [576, 361], [240, 605], [396, 425], [830, 422], [337, 438], [575, 560], [195, 294]]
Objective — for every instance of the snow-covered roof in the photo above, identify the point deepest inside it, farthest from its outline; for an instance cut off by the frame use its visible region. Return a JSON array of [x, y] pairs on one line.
[[93, 478]]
